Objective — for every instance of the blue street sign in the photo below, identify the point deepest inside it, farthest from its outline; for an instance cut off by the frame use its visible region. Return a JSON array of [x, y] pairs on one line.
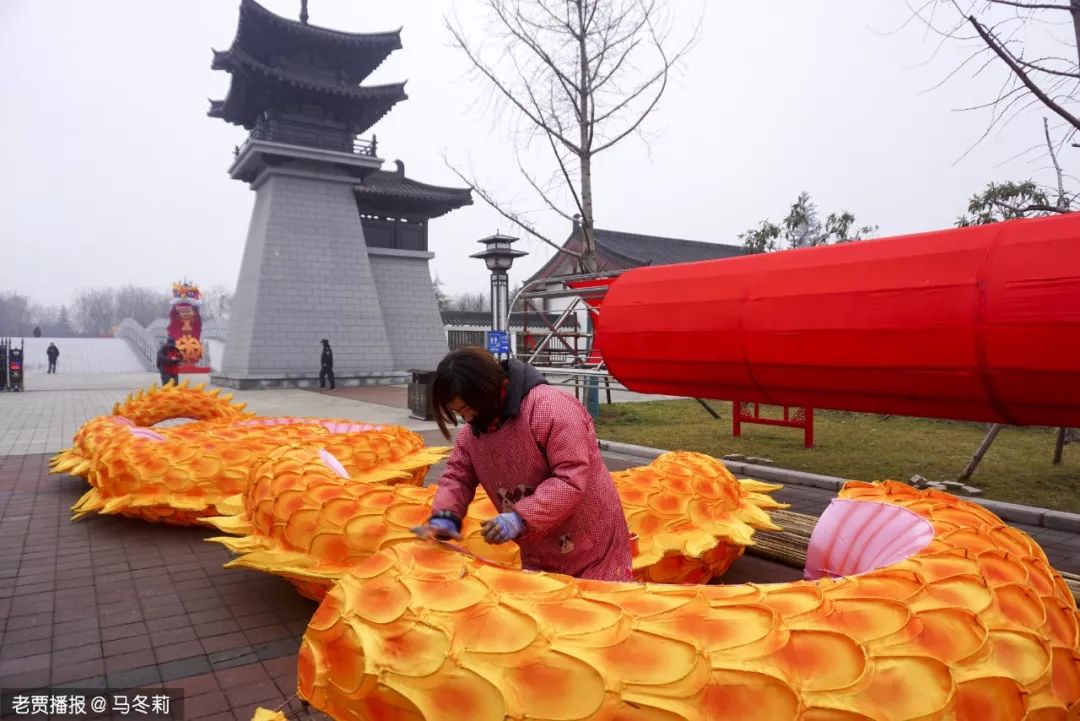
[[498, 343]]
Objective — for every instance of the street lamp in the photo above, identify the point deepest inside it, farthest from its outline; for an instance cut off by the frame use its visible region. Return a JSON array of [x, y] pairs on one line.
[[499, 256]]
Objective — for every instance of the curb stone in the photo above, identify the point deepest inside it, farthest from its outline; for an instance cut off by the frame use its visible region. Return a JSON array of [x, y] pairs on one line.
[[1014, 512]]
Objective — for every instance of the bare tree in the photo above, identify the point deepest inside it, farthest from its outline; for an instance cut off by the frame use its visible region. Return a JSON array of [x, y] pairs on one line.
[[1041, 67], [473, 302], [63, 327], [581, 75], [15, 318], [216, 303], [45, 318], [95, 312], [143, 305]]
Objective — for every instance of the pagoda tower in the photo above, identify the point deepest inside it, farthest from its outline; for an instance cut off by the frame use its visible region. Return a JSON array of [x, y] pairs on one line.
[[337, 248]]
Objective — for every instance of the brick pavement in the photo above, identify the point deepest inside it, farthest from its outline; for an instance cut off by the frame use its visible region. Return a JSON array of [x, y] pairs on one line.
[[120, 603]]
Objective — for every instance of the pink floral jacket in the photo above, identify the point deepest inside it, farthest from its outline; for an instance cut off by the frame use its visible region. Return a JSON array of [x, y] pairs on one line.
[[544, 463]]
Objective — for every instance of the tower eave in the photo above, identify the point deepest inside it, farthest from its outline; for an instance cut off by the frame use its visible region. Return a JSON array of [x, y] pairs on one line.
[[357, 54], [263, 19], [393, 192], [363, 106]]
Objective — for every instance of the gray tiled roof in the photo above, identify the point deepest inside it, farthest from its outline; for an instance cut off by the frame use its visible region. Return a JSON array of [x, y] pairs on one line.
[[396, 192], [617, 250], [657, 250], [262, 20]]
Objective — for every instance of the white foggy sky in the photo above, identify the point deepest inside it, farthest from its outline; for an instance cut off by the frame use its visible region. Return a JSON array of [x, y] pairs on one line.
[[113, 174]]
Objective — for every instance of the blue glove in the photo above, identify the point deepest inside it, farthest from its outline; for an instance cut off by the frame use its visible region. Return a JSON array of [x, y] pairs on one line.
[[503, 527], [438, 528]]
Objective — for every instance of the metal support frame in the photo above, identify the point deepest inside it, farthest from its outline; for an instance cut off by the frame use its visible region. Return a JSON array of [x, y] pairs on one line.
[[581, 374], [581, 379], [526, 296]]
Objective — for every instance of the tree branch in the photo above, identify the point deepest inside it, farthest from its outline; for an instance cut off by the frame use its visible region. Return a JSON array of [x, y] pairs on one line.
[[1023, 76], [566, 176], [513, 217], [661, 76], [1030, 6], [503, 90], [1033, 207], [543, 194], [567, 83], [1048, 71], [1062, 201]]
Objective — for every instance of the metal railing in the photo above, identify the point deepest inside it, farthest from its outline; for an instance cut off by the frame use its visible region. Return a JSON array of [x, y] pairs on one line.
[[582, 380], [311, 135], [140, 340]]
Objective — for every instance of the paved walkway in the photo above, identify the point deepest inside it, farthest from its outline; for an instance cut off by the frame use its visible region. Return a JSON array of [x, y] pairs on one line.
[[110, 602], [79, 355], [44, 418]]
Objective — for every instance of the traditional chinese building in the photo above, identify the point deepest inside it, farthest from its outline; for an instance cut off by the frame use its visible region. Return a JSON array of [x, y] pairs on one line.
[[337, 248], [615, 250], [618, 250]]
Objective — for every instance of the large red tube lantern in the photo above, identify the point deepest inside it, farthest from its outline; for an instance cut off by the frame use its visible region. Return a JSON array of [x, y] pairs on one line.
[[978, 324]]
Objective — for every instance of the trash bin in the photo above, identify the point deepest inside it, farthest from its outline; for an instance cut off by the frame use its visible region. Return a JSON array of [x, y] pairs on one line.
[[420, 395]]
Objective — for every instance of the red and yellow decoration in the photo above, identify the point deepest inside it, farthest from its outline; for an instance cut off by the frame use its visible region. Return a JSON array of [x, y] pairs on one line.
[[185, 321], [976, 626]]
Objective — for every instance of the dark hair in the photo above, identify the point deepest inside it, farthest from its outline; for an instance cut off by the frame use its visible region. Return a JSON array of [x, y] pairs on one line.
[[471, 375]]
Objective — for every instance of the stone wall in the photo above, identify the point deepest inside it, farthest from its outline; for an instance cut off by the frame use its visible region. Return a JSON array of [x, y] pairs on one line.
[[409, 307]]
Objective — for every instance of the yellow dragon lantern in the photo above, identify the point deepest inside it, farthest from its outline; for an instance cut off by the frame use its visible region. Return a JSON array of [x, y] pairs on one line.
[[310, 523], [930, 608], [180, 474]]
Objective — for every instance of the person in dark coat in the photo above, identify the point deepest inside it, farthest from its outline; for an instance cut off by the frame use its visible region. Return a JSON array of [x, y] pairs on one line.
[[168, 362], [53, 352], [326, 366]]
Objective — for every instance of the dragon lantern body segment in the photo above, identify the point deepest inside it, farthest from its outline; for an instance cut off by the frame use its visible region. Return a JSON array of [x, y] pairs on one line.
[[301, 519], [181, 474], [975, 626], [146, 408]]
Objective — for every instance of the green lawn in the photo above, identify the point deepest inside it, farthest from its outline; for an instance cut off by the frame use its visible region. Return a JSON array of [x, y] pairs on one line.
[[1017, 467]]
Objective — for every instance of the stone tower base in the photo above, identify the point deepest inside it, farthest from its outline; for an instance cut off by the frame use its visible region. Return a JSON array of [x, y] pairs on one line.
[[308, 274]]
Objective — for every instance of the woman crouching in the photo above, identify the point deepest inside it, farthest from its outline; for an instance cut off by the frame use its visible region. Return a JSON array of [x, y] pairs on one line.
[[534, 450]]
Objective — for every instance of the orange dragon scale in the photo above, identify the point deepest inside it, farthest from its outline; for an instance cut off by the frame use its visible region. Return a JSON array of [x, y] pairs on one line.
[[966, 620], [309, 523], [181, 474]]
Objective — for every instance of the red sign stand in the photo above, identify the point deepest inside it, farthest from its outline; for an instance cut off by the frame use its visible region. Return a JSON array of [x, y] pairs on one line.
[[794, 417]]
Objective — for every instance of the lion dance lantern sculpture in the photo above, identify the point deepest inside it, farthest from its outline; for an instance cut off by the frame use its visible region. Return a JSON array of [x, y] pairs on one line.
[[185, 322]]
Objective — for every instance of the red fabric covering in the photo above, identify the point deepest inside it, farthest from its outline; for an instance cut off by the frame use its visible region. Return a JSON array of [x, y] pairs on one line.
[[980, 324], [545, 464]]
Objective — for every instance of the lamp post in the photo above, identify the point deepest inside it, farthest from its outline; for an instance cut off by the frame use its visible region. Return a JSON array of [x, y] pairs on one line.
[[499, 256]]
